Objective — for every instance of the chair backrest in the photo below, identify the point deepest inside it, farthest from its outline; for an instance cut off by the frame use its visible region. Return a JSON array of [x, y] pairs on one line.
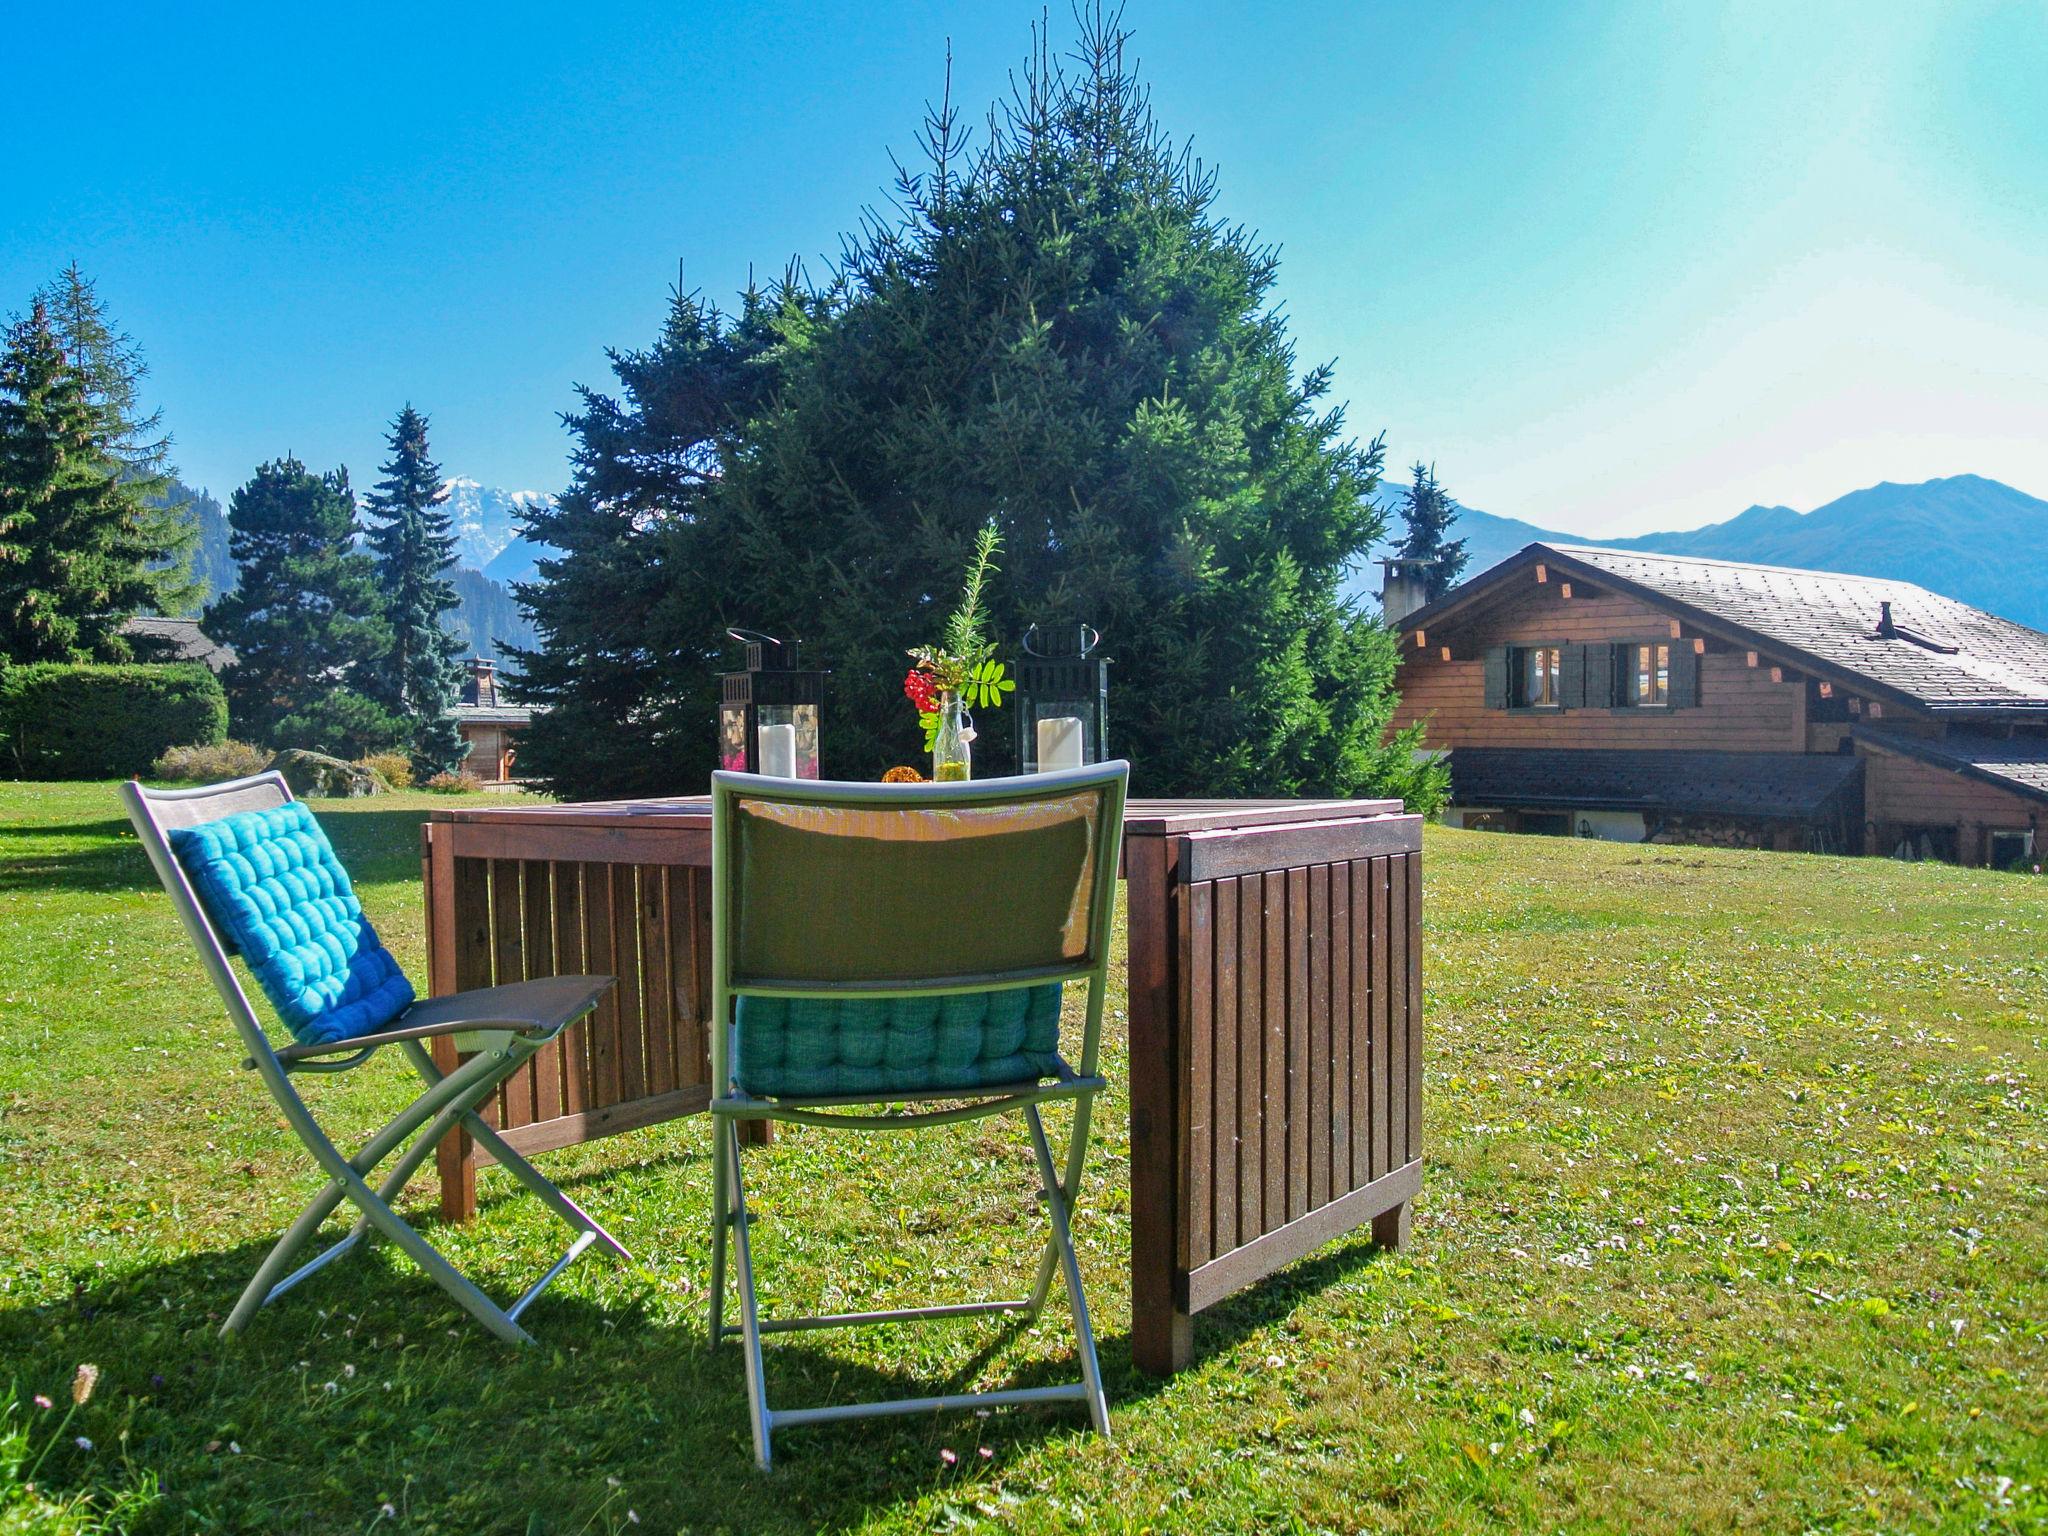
[[155, 812], [826, 889]]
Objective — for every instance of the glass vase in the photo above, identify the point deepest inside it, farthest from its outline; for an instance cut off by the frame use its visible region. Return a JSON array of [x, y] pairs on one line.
[[952, 754]]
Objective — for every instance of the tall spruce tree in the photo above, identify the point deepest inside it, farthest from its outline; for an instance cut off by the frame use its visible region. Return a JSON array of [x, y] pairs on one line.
[[74, 547], [1062, 333], [630, 612], [419, 677], [305, 619], [1428, 512], [113, 369]]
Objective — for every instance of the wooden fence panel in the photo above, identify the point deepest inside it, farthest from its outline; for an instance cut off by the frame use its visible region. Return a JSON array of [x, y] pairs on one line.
[[1283, 1085]]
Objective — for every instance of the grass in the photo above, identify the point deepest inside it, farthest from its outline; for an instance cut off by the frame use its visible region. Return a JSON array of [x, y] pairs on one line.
[[1734, 1217]]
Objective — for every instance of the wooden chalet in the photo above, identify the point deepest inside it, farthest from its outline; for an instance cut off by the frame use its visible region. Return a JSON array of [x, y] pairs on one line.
[[490, 723], [1644, 697]]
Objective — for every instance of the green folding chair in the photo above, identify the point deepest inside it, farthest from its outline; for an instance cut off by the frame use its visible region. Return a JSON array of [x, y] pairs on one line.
[[499, 1028], [881, 945]]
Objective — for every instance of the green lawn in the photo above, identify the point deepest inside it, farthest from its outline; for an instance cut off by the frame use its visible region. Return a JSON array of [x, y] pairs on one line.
[[1734, 1217]]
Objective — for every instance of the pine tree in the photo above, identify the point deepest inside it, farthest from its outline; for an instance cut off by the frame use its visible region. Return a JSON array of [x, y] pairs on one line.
[[1058, 332], [74, 548], [629, 611], [1429, 512], [305, 618], [113, 368], [419, 677]]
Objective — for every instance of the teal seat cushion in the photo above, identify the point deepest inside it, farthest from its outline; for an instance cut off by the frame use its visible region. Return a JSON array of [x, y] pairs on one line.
[[795, 1047], [275, 891]]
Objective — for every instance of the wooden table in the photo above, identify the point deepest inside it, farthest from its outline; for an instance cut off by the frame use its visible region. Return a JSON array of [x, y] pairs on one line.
[[1275, 1013]]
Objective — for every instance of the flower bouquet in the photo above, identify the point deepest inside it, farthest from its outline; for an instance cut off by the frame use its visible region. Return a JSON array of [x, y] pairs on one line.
[[960, 672]]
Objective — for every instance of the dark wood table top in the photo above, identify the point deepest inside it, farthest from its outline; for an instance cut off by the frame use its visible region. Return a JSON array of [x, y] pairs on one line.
[[1142, 818]]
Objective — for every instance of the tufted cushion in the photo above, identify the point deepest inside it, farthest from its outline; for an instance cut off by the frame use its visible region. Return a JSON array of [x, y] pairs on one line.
[[796, 1046], [273, 887]]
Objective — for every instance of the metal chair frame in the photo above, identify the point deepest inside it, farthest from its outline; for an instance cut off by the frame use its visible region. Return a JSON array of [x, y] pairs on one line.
[[731, 1105], [501, 1026]]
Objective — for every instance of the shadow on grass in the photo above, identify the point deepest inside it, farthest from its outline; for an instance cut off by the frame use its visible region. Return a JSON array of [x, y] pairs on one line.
[[103, 854]]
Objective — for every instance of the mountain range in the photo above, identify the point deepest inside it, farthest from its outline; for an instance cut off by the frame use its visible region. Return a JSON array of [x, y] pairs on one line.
[[1976, 540], [490, 554]]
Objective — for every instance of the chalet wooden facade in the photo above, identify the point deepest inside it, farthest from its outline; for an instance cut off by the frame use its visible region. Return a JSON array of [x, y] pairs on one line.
[[490, 723], [1617, 694]]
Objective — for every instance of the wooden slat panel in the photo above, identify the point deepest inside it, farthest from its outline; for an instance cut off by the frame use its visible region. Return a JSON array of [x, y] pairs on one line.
[[1234, 1271], [1299, 1031], [1318, 1053], [1212, 855], [1376, 1075], [575, 1040], [1251, 1057], [1197, 1078], [537, 894], [602, 1086], [472, 892], [1397, 1012], [658, 998], [1223, 1013], [682, 932], [508, 964], [632, 1043], [1339, 1137], [1361, 1021], [1413, 1054], [1273, 1090], [569, 843], [700, 914]]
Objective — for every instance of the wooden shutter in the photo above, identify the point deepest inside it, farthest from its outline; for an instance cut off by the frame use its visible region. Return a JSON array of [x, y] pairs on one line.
[[1685, 675], [1571, 675], [1497, 677], [1601, 669]]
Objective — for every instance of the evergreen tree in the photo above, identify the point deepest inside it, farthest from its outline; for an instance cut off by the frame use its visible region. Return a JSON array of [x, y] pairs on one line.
[[305, 618], [112, 367], [631, 619], [1429, 512], [420, 677], [74, 549], [1061, 333]]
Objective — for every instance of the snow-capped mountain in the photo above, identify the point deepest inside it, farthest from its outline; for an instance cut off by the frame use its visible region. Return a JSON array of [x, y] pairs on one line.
[[485, 519]]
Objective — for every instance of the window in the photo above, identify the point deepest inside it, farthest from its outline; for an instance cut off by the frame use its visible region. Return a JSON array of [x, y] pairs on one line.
[[1537, 677], [2011, 850], [1650, 686]]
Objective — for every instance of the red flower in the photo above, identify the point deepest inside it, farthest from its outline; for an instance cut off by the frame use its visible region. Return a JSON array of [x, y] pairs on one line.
[[922, 690]]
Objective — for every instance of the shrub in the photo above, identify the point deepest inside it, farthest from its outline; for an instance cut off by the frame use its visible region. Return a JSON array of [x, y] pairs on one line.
[[65, 721], [206, 765], [396, 768], [463, 783]]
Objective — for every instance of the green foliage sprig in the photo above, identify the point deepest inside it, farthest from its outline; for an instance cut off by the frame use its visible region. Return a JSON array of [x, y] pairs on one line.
[[964, 662]]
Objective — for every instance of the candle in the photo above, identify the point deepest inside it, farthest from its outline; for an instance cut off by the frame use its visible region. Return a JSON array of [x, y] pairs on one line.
[[778, 751], [1059, 743]]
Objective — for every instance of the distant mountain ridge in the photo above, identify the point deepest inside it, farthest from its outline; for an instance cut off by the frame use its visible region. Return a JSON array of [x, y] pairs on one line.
[[486, 524], [1967, 537]]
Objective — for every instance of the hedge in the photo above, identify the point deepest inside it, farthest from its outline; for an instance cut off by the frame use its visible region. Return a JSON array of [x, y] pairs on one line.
[[60, 721]]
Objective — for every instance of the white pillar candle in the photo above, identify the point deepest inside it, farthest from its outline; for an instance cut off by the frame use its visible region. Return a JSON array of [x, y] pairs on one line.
[[1059, 743], [778, 751]]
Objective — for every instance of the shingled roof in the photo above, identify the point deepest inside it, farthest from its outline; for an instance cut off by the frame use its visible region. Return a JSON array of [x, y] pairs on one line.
[[2018, 764], [1787, 785], [1934, 651]]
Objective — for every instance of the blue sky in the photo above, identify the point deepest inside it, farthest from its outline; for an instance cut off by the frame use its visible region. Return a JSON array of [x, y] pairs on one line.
[[1613, 266]]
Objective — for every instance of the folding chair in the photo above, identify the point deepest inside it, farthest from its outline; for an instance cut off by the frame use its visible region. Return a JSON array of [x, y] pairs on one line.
[[501, 1026], [878, 945]]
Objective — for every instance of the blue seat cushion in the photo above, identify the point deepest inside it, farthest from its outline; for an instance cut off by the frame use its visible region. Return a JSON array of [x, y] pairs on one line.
[[794, 1047], [275, 890]]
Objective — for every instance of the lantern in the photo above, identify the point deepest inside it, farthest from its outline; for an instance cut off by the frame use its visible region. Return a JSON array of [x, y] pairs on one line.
[[1062, 699], [768, 714]]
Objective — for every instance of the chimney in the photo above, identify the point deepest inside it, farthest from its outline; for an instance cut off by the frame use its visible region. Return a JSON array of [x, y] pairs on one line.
[[1886, 629], [483, 681], [1403, 588]]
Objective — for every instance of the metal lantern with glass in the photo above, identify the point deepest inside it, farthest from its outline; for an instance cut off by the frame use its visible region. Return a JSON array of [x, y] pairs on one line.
[[768, 714], [1062, 698]]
